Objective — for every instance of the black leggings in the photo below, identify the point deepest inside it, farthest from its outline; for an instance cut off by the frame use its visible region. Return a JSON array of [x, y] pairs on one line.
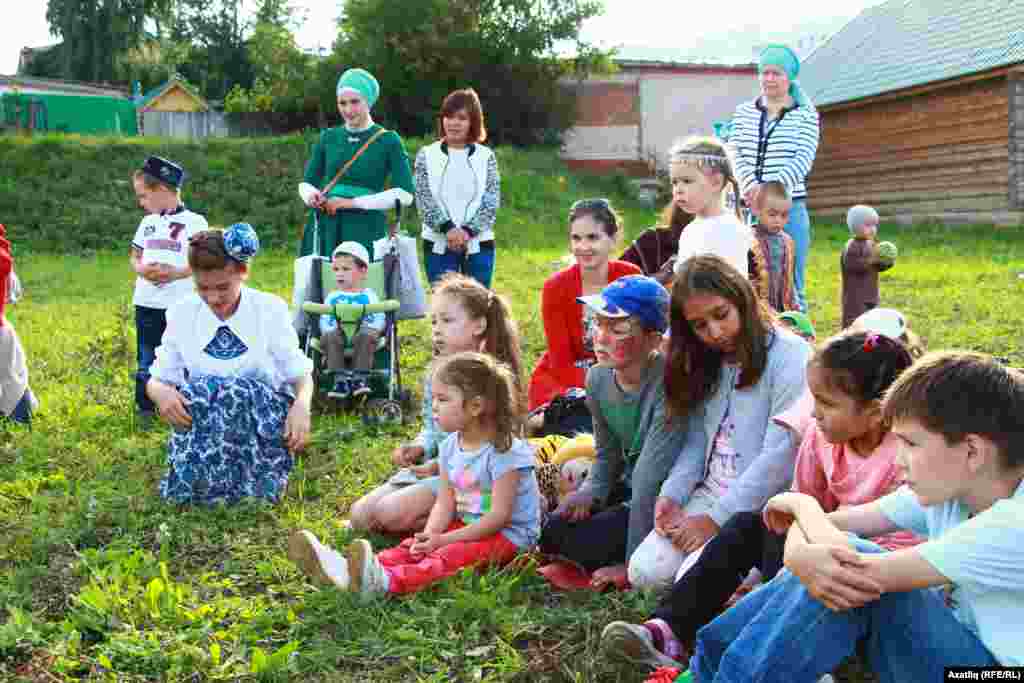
[[599, 541], [698, 597]]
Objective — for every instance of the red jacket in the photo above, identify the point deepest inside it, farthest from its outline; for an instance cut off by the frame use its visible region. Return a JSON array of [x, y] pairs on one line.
[[557, 369], [6, 266]]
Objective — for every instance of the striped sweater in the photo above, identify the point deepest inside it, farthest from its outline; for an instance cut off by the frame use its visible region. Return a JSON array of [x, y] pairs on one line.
[[783, 152]]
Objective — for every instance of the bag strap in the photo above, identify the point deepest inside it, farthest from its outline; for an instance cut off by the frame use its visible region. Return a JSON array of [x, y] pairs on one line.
[[348, 164]]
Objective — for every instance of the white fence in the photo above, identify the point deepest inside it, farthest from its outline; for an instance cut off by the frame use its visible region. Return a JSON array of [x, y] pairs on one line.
[[184, 124]]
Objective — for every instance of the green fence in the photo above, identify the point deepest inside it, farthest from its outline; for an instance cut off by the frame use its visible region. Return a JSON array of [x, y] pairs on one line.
[[69, 113]]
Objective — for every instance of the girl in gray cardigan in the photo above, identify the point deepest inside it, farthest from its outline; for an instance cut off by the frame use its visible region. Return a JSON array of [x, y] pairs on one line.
[[730, 370]]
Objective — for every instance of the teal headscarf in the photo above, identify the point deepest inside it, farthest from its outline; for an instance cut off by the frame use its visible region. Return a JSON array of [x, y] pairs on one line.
[[784, 58], [361, 82]]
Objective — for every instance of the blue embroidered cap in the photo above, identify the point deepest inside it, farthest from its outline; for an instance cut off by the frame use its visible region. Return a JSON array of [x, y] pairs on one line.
[[241, 242], [634, 295], [165, 171]]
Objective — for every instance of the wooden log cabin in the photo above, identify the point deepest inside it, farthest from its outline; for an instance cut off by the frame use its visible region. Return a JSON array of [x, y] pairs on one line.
[[922, 113]]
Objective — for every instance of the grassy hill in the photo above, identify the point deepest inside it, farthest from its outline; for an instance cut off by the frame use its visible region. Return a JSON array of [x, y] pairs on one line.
[[102, 581]]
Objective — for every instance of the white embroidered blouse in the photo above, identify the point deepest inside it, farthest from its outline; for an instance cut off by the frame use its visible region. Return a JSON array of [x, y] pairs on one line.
[[257, 341]]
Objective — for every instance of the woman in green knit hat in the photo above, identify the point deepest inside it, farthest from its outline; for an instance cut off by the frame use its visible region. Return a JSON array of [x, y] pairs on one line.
[[353, 206]]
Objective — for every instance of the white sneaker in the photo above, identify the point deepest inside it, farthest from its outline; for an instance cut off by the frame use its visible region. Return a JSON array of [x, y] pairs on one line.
[[322, 564], [827, 678], [368, 576], [633, 643]]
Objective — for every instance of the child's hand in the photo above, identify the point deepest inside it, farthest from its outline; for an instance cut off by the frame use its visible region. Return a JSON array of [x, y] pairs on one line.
[[615, 576], [833, 575], [429, 469], [693, 532], [576, 507], [426, 542], [780, 511], [172, 407], [667, 515], [407, 454]]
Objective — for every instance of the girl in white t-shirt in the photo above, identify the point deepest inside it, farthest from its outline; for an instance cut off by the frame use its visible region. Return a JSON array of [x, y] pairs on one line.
[[700, 170]]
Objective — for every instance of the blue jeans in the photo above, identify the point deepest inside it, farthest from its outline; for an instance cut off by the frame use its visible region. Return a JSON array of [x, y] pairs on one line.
[[479, 266], [780, 633], [150, 324], [22, 412], [799, 228]]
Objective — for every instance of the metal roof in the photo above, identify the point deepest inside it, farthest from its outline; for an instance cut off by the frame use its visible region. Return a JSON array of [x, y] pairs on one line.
[[904, 43]]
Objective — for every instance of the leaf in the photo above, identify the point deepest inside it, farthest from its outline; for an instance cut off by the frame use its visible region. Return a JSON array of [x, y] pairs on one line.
[[259, 661], [215, 654]]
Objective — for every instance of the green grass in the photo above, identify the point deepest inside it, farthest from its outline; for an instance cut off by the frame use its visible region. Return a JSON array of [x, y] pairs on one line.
[[100, 580]]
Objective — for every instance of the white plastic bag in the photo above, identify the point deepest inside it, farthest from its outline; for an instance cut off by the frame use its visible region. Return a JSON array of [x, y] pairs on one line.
[[403, 278]]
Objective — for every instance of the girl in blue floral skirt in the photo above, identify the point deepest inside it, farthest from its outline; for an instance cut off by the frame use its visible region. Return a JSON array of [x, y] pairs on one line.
[[230, 378]]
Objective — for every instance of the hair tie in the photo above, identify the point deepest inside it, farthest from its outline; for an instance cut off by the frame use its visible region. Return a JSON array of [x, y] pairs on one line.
[[241, 242], [490, 299], [871, 342]]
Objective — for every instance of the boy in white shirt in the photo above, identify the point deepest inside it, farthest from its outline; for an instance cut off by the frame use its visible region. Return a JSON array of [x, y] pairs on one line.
[[159, 257], [350, 262]]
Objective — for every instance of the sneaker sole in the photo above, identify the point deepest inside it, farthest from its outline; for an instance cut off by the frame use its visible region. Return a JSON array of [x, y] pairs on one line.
[[362, 391], [302, 551], [359, 553], [620, 641], [335, 394]]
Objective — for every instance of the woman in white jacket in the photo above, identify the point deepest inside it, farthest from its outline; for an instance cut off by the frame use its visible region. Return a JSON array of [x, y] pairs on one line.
[[458, 191]]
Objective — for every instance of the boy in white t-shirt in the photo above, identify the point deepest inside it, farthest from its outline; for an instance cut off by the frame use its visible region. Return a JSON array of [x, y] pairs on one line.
[[159, 258], [955, 600], [350, 262]]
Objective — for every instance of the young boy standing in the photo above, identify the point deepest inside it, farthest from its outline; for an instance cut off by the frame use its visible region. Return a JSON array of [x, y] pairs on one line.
[[773, 249], [860, 263], [955, 600], [350, 262], [159, 258], [600, 525]]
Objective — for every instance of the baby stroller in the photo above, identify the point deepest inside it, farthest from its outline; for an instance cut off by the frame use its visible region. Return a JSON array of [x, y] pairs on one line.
[[388, 401]]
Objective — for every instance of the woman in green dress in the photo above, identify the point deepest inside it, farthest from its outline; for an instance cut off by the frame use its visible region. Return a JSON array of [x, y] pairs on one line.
[[353, 209]]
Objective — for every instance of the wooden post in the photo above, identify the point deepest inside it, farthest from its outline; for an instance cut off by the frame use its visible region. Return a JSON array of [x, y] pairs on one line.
[[1015, 141]]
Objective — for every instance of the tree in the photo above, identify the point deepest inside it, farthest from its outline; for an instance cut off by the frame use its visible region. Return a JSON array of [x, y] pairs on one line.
[[505, 49], [215, 32], [97, 34]]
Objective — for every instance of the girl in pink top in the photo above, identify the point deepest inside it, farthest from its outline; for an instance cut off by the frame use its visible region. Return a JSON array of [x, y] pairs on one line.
[[847, 457]]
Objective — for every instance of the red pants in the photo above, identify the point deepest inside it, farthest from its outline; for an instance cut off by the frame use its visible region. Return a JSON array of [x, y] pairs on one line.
[[409, 575]]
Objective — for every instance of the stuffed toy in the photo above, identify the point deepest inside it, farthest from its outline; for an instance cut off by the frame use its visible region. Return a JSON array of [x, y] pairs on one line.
[[562, 465]]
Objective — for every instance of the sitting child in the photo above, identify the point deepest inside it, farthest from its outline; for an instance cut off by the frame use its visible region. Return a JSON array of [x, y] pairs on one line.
[[847, 457], [488, 505], [955, 600], [860, 262], [773, 249], [16, 398], [349, 262]]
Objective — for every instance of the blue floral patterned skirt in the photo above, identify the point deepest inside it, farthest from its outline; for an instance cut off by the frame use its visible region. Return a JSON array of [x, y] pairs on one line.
[[235, 448]]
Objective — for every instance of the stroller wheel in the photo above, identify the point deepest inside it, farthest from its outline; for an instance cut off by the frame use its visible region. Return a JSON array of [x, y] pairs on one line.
[[381, 410]]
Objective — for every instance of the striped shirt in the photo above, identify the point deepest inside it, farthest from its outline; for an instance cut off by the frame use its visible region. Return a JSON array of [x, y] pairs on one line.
[[782, 149]]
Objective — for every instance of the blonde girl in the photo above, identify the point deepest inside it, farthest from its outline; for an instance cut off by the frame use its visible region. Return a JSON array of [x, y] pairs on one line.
[[700, 170], [465, 316], [488, 505]]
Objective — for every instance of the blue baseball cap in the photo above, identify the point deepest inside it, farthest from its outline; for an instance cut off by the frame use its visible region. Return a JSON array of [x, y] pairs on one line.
[[638, 296]]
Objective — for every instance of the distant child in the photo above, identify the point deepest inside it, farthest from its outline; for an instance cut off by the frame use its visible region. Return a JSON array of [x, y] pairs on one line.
[[349, 262], [847, 457], [861, 262], [799, 324], [465, 316], [159, 258], [700, 170], [955, 600], [488, 505], [773, 248], [600, 525], [892, 323], [16, 398]]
